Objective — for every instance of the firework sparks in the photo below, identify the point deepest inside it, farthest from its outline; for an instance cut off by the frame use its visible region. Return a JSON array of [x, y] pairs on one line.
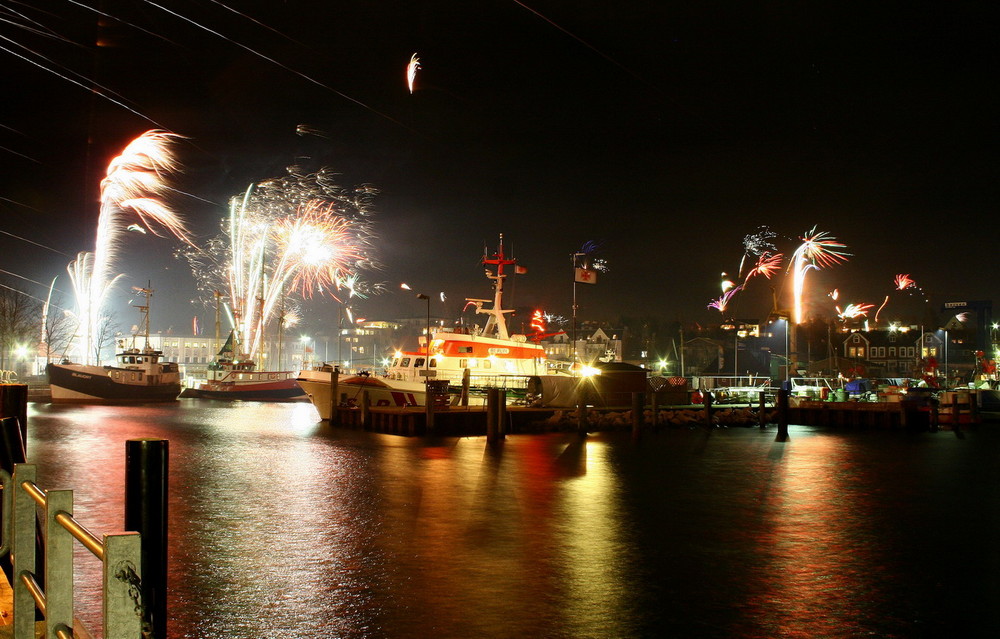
[[854, 311], [904, 282], [411, 72], [767, 265], [300, 234], [723, 302], [818, 250], [133, 183]]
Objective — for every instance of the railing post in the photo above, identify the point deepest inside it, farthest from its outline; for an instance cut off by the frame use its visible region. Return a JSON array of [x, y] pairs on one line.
[[58, 564], [23, 550], [146, 472], [122, 573]]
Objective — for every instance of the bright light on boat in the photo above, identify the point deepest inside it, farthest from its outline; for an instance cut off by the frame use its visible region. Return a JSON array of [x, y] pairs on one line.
[[589, 371]]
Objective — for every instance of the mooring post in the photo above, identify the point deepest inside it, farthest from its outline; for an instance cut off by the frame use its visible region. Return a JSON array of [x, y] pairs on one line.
[[956, 413], [465, 387], [782, 416], [14, 403], [366, 410], [761, 410], [334, 392], [708, 408], [974, 416], [638, 406], [429, 396], [146, 473], [581, 411], [492, 416], [502, 412], [655, 407]]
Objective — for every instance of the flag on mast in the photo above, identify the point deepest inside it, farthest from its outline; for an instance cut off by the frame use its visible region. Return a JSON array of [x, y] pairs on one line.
[[586, 276]]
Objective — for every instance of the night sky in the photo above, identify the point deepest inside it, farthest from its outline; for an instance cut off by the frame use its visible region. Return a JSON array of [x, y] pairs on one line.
[[663, 131]]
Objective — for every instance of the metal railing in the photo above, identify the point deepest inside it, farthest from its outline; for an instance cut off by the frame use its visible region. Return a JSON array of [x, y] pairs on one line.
[[26, 509]]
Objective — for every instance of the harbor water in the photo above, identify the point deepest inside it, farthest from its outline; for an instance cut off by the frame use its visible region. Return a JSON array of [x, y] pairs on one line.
[[281, 526]]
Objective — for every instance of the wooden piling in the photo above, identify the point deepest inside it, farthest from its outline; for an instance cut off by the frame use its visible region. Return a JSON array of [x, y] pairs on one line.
[[464, 399], [366, 410], [638, 404], [762, 409], [492, 415], [655, 399], [782, 416], [581, 413], [708, 409], [334, 399]]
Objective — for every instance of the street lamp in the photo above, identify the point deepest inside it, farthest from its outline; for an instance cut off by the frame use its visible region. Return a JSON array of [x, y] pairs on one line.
[[427, 342]]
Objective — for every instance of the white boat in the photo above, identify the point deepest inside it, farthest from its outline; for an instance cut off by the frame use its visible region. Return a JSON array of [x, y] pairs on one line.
[[138, 375], [486, 357]]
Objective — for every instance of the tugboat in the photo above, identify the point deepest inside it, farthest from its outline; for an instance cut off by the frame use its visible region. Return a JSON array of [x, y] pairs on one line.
[[137, 377], [488, 357], [233, 377]]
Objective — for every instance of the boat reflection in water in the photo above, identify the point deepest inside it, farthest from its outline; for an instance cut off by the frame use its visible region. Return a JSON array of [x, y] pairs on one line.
[[281, 526]]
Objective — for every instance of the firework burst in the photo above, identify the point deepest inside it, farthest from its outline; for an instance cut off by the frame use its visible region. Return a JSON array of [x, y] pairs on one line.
[[854, 311], [131, 189], [300, 234], [818, 250]]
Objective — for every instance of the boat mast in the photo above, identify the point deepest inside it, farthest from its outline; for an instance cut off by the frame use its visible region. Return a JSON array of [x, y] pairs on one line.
[[144, 313], [497, 321]]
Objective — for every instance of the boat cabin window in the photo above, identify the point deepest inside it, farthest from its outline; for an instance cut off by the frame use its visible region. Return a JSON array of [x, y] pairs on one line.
[[433, 363], [405, 362], [463, 363], [464, 349], [418, 362], [487, 364]]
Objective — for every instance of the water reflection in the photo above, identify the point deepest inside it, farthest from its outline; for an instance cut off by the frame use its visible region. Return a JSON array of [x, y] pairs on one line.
[[282, 526]]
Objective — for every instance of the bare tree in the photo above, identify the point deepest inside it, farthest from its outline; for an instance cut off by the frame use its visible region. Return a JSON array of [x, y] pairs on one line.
[[104, 336], [20, 317]]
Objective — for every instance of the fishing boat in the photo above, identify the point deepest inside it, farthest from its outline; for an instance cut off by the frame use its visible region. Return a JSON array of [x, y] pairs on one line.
[[462, 358], [138, 376], [231, 377]]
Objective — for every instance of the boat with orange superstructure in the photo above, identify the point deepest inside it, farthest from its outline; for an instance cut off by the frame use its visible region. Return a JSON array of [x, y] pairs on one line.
[[477, 357]]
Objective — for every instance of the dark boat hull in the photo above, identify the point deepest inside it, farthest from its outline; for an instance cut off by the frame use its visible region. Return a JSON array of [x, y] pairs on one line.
[[283, 391], [73, 383]]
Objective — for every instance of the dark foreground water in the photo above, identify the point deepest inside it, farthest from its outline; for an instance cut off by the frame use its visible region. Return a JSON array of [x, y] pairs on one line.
[[283, 527]]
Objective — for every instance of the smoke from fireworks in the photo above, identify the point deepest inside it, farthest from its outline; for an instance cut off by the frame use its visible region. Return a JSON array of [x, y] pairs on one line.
[[299, 234], [818, 250], [132, 187]]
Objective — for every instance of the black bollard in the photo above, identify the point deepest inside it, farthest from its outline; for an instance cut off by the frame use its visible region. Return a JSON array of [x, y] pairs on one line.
[[782, 416], [146, 466], [708, 409]]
